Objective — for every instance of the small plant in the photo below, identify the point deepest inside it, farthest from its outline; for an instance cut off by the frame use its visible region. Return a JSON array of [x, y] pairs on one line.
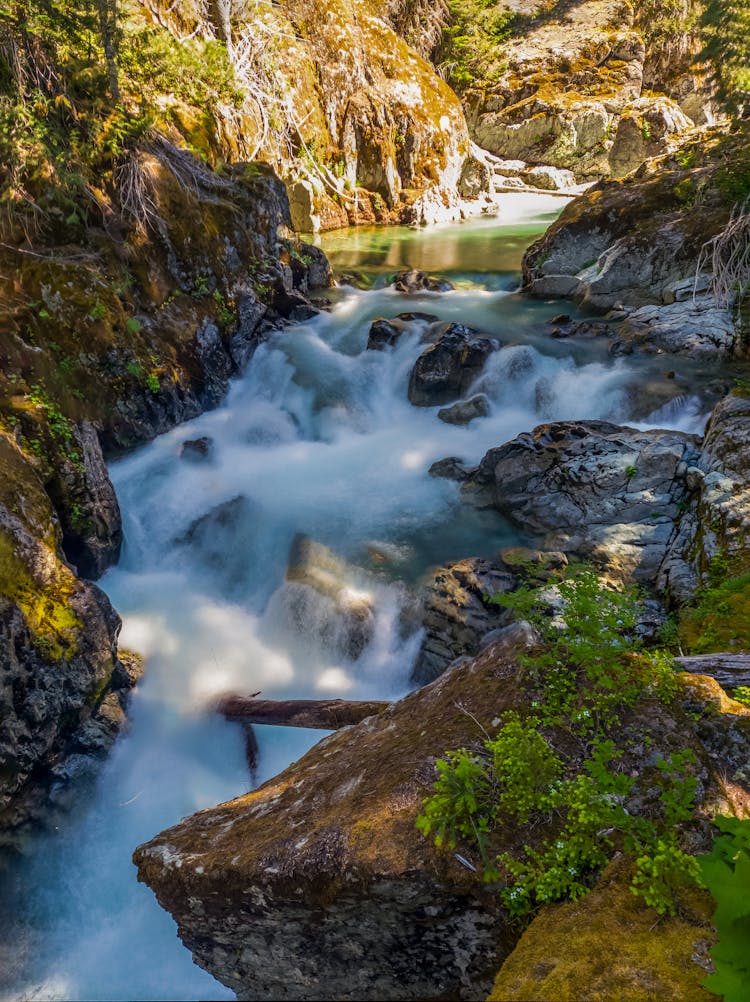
[[98, 311], [742, 694], [152, 382], [630, 472], [133, 325], [726, 872], [645, 130]]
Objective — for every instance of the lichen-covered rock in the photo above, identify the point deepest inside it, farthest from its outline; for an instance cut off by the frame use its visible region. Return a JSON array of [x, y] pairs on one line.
[[446, 370], [649, 127], [717, 523], [594, 490], [630, 243], [324, 863]]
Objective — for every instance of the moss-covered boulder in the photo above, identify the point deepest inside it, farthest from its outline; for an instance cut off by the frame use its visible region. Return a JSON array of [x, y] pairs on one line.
[[608, 946]]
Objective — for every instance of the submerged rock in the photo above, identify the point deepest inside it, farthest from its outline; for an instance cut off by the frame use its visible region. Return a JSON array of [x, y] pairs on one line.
[[451, 468], [412, 281], [196, 449], [464, 411], [446, 369], [322, 601]]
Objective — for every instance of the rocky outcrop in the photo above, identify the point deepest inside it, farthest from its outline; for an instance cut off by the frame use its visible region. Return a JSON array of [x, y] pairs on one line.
[[459, 613], [638, 248], [568, 90], [446, 370], [324, 862], [359, 125], [717, 524], [594, 490], [62, 686]]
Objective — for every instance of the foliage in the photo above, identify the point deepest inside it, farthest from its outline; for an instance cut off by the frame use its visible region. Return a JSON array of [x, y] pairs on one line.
[[725, 29], [588, 674], [720, 619], [77, 96], [726, 872], [468, 47]]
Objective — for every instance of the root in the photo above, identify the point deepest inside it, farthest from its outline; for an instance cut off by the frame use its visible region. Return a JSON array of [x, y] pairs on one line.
[[727, 256]]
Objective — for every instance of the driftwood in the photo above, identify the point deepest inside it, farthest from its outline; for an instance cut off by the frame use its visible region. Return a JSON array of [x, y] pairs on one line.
[[727, 669], [326, 714]]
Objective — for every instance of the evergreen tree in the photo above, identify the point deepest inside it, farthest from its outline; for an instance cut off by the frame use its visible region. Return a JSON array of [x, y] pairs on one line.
[[726, 31]]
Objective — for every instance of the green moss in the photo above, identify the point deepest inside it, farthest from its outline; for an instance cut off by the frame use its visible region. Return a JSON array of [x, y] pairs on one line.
[[45, 607], [720, 620], [607, 946]]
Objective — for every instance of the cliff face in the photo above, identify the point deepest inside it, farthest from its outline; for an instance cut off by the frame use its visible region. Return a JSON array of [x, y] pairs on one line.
[[357, 123], [594, 88]]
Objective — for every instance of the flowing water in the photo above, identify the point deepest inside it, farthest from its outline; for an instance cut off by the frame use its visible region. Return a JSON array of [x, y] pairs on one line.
[[318, 438]]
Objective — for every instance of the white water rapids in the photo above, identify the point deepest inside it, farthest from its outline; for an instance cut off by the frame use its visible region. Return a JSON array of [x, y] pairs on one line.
[[319, 438]]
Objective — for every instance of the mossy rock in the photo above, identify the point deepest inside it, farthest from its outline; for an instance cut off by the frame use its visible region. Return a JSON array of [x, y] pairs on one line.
[[607, 946]]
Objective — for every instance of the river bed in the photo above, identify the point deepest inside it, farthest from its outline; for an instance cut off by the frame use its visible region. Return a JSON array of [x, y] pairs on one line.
[[318, 438]]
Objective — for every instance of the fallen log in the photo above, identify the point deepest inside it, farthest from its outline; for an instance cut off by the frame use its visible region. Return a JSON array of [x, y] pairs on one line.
[[325, 714], [728, 669]]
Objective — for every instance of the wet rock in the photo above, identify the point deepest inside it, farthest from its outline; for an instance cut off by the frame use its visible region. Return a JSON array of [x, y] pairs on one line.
[[412, 281], [451, 468], [87, 505], [384, 333], [458, 613], [465, 411], [717, 523], [196, 449], [423, 318], [595, 491], [700, 328], [322, 600], [446, 370]]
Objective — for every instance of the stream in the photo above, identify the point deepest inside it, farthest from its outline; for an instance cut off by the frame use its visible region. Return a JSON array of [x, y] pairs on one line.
[[317, 437]]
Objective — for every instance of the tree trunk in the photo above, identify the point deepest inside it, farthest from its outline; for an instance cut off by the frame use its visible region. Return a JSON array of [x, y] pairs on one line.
[[727, 669], [327, 714], [107, 10]]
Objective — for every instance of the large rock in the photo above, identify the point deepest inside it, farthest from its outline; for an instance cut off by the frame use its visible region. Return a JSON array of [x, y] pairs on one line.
[[717, 523], [649, 127], [594, 490], [446, 370], [324, 863], [642, 240], [62, 688], [458, 613]]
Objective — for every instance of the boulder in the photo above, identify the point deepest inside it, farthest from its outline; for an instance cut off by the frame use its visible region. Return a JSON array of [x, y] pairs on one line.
[[411, 282], [595, 491], [196, 449], [458, 613], [384, 333], [647, 128], [324, 862], [550, 178], [446, 370], [451, 468], [464, 411]]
